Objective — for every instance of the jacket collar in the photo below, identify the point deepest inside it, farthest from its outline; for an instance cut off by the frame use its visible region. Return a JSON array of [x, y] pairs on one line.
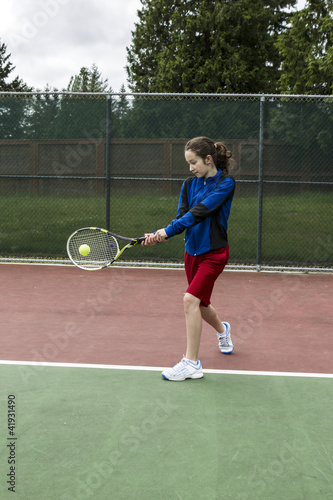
[[212, 180]]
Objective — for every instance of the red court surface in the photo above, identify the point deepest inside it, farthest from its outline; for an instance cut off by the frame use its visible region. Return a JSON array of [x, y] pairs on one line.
[[279, 322]]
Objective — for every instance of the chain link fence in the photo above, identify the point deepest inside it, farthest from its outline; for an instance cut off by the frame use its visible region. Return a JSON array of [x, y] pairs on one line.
[[117, 161]]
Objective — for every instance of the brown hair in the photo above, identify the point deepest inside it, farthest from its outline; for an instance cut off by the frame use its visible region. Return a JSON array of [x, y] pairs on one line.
[[203, 146]]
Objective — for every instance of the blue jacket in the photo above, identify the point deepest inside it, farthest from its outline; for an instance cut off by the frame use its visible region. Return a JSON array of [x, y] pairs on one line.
[[203, 211]]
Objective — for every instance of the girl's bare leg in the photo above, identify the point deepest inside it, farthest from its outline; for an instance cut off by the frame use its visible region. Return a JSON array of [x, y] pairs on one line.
[[210, 316], [193, 320]]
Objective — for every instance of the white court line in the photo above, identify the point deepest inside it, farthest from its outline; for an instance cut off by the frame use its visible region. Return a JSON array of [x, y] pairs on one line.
[[159, 368]]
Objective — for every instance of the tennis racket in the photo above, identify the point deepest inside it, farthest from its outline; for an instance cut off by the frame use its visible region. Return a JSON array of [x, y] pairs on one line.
[[93, 248]]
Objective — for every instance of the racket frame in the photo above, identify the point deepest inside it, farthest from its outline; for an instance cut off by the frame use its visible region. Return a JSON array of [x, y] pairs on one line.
[[130, 243]]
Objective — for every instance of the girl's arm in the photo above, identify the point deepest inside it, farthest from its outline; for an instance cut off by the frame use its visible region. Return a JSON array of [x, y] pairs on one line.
[[223, 192]]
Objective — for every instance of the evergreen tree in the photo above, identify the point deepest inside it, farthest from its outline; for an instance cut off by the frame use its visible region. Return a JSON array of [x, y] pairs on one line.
[[6, 68], [207, 46], [42, 114], [122, 104], [88, 80], [307, 50], [12, 110]]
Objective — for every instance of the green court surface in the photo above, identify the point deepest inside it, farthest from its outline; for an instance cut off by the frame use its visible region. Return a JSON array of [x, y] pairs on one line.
[[129, 435]]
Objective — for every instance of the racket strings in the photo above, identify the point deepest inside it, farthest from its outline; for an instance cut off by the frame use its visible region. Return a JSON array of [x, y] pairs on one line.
[[103, 248]]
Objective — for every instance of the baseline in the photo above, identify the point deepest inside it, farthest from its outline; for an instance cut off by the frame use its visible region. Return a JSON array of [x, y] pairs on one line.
[[156, 369]]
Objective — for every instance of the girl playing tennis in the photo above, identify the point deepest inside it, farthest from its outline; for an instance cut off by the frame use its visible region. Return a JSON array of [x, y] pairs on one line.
[[203, 211]]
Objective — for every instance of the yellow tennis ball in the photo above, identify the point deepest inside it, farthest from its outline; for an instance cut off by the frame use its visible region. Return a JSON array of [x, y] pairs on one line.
[[84, 250]]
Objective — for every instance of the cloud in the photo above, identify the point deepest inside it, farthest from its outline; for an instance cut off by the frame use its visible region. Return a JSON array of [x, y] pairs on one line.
[[50, 40]]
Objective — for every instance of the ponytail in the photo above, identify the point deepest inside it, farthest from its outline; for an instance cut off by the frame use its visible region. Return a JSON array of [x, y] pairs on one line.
[[222, 157]]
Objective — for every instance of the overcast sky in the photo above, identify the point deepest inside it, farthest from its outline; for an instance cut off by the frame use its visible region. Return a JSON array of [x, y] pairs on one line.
[[50, 40]]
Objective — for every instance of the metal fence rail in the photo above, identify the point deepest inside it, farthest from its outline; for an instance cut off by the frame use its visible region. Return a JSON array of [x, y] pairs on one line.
[[70, 159]]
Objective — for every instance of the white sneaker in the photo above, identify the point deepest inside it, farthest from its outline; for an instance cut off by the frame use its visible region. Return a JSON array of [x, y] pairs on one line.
[[225, 343], [182, 370]]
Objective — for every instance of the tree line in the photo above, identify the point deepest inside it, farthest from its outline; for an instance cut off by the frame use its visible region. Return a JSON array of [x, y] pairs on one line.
[[240, 46], [218, 46], [192, 46]]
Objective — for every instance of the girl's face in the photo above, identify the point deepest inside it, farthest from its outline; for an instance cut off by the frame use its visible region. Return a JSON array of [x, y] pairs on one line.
[[200, 167]]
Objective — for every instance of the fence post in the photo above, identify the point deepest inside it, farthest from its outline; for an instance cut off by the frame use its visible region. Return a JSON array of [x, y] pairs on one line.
[[107, 162], [260, 180]]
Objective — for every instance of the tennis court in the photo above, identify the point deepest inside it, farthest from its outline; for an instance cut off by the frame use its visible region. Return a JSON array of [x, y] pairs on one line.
[[91, 416]]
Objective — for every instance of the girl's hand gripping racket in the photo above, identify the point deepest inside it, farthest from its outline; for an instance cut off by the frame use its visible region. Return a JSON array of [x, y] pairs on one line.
[[93, 248]]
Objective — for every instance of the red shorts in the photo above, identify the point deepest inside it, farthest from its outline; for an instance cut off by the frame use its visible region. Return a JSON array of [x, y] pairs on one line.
[[202, 272]]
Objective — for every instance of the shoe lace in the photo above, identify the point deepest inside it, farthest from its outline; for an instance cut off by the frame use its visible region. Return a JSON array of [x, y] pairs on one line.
[[223, 339], [180, 365]]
